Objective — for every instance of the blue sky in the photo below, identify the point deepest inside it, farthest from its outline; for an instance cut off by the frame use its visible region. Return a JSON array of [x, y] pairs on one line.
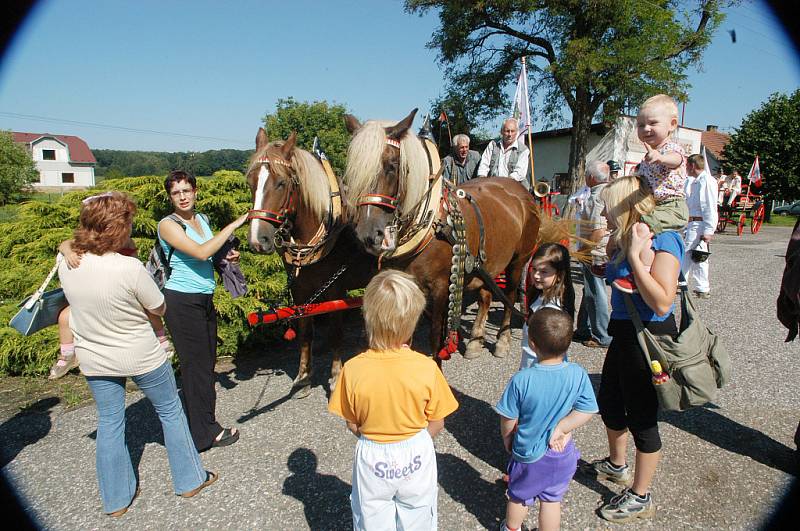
[[213, 69]]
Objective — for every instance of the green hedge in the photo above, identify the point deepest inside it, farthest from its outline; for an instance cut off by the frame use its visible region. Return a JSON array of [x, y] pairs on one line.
[[29, 242]]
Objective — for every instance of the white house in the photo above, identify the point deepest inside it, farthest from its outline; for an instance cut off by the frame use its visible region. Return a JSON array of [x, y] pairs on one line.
[[63, 161], [619, 143]]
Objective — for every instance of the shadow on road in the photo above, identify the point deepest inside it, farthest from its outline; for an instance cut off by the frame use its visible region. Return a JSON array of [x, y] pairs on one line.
[[475, 417], [734, 437], [325, 498], [483, 499], [142, 426], [25, 428]]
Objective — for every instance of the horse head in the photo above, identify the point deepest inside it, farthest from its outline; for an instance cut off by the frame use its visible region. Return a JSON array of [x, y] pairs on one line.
[[275, 188], [376, 176]]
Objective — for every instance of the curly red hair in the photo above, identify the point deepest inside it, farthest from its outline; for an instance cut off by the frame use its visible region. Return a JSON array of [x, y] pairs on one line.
[[105, 223]]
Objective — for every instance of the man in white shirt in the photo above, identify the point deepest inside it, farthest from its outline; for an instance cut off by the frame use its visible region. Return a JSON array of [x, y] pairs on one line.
[[722, 183], [701, 198], [505, 157]]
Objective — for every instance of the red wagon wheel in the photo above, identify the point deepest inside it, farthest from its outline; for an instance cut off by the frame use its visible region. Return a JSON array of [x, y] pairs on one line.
[[722, 221], [758, 219], [740, 225]]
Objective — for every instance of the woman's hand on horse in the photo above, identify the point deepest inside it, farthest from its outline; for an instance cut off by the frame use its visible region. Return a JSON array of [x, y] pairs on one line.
[[241, 220]]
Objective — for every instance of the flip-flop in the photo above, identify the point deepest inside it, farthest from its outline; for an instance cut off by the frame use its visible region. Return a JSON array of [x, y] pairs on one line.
[[211, 477], [227, 437]]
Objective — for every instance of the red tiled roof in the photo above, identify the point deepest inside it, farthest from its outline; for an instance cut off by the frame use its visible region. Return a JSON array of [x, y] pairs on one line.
[[715, 142], [78, 149]]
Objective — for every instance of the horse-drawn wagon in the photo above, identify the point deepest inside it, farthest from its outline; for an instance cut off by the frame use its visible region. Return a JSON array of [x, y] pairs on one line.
[[744, 205]]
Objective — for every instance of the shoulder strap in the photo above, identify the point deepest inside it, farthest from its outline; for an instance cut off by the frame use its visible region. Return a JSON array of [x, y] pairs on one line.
[[38, 294], [177, 219], [637, 322]]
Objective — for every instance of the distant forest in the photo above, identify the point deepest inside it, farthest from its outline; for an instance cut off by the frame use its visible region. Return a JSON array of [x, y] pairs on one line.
[[112, 163]]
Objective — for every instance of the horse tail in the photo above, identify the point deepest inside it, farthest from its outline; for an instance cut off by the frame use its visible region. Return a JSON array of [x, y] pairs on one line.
[[562, 230]]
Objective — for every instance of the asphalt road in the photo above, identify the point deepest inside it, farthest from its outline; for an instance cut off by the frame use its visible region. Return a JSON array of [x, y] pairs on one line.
[[725, 466]]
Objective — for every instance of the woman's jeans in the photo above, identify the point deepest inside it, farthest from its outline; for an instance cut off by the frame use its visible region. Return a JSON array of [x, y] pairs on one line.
[[115, 474]]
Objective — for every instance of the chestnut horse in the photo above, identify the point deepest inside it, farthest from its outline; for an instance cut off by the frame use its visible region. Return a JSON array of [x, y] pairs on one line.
[[297, 210], [388, 176]]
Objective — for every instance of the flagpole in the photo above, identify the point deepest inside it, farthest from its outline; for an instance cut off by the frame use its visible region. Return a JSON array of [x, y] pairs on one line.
[[443, 117], [530, 126]]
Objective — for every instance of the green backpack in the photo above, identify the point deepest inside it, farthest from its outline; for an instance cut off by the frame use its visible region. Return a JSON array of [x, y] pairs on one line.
[[696, 361]]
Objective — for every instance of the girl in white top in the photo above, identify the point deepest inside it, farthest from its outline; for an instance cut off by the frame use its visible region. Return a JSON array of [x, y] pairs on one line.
[[548, 284]]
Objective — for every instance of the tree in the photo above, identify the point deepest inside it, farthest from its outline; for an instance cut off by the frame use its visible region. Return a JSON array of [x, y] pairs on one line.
[[773, 133], [17, 169], [319, 119], [28, 246], [596, 56]]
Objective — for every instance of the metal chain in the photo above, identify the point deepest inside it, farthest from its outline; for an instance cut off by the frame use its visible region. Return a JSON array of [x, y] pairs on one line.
[[325, 286]]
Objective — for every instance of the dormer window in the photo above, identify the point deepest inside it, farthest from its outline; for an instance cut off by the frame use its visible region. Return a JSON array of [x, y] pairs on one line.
[[48, 154]]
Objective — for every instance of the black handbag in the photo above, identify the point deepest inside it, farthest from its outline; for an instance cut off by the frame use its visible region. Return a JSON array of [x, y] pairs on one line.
[[41, 309]]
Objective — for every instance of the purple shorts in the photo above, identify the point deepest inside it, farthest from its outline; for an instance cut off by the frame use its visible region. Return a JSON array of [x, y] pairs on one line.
[[546, 479]]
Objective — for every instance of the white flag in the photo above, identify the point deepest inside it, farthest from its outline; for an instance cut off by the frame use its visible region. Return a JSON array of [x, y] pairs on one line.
[[522, 110], [755, 173]]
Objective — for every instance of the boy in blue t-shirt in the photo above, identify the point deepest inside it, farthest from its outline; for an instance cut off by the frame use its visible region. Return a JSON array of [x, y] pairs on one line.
[[545, 403]]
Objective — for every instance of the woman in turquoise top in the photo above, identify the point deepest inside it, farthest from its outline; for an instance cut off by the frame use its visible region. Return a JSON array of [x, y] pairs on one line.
[[191, 317]]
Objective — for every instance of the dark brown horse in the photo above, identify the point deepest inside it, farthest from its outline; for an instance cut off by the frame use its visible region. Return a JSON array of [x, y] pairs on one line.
[[297, 210], [389, 177]]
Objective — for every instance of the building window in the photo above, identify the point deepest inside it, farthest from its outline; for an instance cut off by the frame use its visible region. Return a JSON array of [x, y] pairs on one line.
[[67, 178], [48, 154]]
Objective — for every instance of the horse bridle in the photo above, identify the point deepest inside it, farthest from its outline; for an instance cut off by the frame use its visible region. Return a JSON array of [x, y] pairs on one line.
[[280, 218], [381, 200]]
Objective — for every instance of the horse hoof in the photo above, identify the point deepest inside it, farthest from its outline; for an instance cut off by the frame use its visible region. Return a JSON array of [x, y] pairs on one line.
[[302, 392], [501, 349], [474, 350]]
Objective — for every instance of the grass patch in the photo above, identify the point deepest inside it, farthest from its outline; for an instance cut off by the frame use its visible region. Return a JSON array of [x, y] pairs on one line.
[[782, 221], [29, 393]]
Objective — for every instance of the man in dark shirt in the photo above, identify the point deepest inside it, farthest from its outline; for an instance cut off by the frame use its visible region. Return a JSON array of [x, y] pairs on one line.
[[462, 165]]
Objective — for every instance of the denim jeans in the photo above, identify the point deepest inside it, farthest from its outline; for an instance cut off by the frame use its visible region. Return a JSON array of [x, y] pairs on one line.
[[593, 314], [115, 474]]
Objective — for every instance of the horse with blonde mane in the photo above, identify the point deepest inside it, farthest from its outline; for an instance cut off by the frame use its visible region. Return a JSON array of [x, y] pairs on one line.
[[390, 177], [298, 211]]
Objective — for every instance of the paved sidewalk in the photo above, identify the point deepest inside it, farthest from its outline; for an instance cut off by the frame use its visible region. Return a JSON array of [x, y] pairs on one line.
[[724, 466]]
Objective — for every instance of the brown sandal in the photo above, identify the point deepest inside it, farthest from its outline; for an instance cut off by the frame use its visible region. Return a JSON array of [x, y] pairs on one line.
[[211, 477]]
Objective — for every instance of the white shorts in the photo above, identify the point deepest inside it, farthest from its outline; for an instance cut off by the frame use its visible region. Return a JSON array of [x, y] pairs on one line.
[[395, 485]]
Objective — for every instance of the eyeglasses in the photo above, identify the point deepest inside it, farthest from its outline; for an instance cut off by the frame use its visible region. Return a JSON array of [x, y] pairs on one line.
[[178, 193]]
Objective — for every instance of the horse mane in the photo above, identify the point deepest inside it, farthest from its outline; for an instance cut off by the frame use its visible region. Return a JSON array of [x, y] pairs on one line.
[[364, 164], [315, 189]]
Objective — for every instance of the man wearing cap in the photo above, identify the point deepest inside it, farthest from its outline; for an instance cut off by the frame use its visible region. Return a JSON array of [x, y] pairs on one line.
[[505, 157], [613, 169], [701, 198], [462, 165]]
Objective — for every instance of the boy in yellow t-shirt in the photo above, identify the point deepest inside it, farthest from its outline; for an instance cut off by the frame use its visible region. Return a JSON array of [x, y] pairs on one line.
[[394, 400]]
